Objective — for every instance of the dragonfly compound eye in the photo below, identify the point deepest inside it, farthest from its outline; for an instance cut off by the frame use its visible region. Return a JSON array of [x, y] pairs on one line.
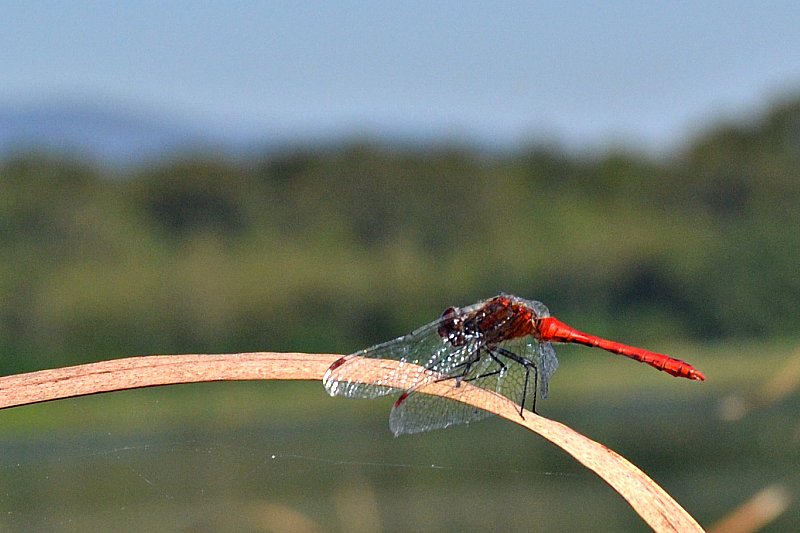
[[451, 327]]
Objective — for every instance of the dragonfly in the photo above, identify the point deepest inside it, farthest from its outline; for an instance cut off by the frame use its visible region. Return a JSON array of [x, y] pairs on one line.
[[503, 344]]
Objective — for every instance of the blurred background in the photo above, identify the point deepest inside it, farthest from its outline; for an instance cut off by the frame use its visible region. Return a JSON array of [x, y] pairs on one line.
[[317, 177]]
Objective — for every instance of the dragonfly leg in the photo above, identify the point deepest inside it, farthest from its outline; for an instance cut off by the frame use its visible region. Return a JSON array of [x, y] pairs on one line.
[[502, 368], [527, 365], [462, 376]]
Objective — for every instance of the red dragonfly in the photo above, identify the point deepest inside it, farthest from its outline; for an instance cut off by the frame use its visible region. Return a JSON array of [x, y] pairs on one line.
[[503, 344]]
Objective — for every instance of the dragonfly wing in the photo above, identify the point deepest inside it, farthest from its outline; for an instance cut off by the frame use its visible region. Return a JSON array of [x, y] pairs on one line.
[[420, 412], [548, 364], [498, 372], [415, 411], [517, 381], [424, 356], [529, 362]]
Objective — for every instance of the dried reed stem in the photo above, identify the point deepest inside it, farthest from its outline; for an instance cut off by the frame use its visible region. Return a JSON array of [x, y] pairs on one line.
[[648, 499]]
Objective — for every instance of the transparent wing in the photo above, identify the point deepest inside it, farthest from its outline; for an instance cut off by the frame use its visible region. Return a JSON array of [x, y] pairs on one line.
[[548, 364], [512, 369], [416, 411], [420, 412], [434, 358], [529, 365]]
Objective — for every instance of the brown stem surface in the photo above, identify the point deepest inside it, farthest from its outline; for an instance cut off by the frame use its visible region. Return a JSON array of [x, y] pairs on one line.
[[648, 499]]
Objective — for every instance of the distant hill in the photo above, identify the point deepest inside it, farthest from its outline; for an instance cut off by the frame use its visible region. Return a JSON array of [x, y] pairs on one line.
[[105, 135], [127, 136]]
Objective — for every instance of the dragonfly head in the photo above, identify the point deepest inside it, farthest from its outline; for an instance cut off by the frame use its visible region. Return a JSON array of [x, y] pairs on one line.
[[451, 326]]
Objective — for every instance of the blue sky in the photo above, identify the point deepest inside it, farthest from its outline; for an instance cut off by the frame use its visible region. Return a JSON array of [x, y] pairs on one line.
[[492, 72]]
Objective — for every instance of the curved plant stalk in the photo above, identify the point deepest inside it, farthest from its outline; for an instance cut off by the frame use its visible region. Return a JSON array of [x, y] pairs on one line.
[[648, 499], [759, 511]]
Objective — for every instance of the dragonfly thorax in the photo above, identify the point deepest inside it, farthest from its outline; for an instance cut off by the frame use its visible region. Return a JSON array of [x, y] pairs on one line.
[[500, 318]]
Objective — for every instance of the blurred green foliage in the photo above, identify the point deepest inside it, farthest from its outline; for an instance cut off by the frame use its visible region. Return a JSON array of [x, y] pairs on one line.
[[337, 248]]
